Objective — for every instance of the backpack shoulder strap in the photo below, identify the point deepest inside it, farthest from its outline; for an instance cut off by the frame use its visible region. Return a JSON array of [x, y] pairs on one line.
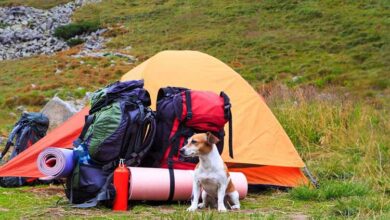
[[188, 104], [88, 121], [228, 116], [18, 127]]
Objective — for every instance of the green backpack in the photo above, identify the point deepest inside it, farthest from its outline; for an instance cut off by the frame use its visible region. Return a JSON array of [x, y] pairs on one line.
[[120, 125]]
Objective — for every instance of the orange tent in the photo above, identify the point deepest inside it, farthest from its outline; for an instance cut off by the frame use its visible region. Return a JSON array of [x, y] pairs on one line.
[[262, 149]]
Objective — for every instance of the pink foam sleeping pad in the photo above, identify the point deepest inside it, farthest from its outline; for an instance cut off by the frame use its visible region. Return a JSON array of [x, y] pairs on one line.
[[152, 184]]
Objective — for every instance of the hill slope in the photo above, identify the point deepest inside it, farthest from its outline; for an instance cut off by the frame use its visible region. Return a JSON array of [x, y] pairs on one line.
[[323, 67], [322, 42]]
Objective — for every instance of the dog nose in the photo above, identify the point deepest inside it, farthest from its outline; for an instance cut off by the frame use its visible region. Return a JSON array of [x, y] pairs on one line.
[[181, 150]]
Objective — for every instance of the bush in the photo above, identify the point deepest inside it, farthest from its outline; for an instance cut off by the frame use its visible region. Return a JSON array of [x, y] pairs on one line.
[[74, 41], [3, 25], [69, 31]]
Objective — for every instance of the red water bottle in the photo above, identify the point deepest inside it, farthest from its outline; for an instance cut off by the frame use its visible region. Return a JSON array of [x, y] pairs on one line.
[[121, 183]]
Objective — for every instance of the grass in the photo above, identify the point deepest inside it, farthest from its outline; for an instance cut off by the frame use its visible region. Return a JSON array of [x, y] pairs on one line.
[[322, 66], [329, 191], [337, 43], [43, 4]]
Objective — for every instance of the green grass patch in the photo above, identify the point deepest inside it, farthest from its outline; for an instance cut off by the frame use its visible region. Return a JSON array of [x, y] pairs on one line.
[[355, 206], [74, 42], [69, 31], [330, 190], [43, 4]]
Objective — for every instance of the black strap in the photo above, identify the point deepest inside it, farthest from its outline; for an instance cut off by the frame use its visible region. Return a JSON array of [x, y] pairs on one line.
[[228, 116], [171, 179], [188, 104], [230, 136], [88, 121], [174, 142]]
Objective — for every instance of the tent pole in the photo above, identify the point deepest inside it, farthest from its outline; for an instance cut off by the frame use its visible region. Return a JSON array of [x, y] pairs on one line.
[[312, 179]]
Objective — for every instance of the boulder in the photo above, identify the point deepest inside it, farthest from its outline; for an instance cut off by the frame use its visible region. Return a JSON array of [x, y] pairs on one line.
[[58, 111]]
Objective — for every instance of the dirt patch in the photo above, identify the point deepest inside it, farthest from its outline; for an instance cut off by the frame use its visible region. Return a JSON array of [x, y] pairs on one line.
[[298, 217], [3, 209], [46, 191]]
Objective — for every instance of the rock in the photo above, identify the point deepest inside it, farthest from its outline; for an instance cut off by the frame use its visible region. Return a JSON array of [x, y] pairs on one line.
[[87, 53], [58, 72], [58, 111], [21, 108], [12, 114], [296, 78]]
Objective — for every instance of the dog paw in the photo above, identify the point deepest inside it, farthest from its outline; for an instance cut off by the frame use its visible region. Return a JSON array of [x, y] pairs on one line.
[[236, 207], [201, 205], [192, 209], [222, 209]]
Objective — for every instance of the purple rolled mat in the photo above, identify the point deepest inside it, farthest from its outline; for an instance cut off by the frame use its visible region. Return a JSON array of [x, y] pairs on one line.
[[55, 162]]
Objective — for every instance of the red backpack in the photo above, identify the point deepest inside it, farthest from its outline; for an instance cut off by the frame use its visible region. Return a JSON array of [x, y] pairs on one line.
[[180, 114]]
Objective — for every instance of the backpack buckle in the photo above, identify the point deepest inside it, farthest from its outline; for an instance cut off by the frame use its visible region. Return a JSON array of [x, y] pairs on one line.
[[227, 109], [170, 162], [189, 116]]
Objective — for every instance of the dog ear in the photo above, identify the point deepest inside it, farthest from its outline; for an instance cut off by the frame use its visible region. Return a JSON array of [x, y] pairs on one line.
[[211, 139]]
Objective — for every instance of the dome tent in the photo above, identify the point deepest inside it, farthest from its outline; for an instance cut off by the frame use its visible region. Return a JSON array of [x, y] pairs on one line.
[[262, 149]]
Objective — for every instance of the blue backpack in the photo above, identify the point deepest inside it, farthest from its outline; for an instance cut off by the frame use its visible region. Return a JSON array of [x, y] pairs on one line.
[[30, 128]]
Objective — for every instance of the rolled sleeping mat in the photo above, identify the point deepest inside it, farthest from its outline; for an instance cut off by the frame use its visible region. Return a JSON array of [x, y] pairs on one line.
[[153, 184], [55, 162]]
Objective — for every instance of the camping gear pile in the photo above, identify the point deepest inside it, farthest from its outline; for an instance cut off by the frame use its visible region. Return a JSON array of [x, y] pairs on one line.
[[262, 150]]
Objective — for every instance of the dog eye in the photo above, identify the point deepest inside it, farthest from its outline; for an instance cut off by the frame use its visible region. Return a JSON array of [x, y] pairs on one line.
[[194, 142]]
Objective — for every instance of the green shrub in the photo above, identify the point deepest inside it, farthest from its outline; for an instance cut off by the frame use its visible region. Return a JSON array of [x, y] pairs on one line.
[[74, 41], [69, 31], [3, 25]]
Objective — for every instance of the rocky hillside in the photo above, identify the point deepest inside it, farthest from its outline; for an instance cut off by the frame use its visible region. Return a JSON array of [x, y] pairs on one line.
[[27, 31]]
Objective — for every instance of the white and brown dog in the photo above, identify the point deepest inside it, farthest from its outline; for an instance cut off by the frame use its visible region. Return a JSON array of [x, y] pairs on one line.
[[211, 175]]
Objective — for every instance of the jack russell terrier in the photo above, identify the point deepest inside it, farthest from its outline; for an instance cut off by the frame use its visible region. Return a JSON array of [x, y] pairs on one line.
[[211, 175]]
